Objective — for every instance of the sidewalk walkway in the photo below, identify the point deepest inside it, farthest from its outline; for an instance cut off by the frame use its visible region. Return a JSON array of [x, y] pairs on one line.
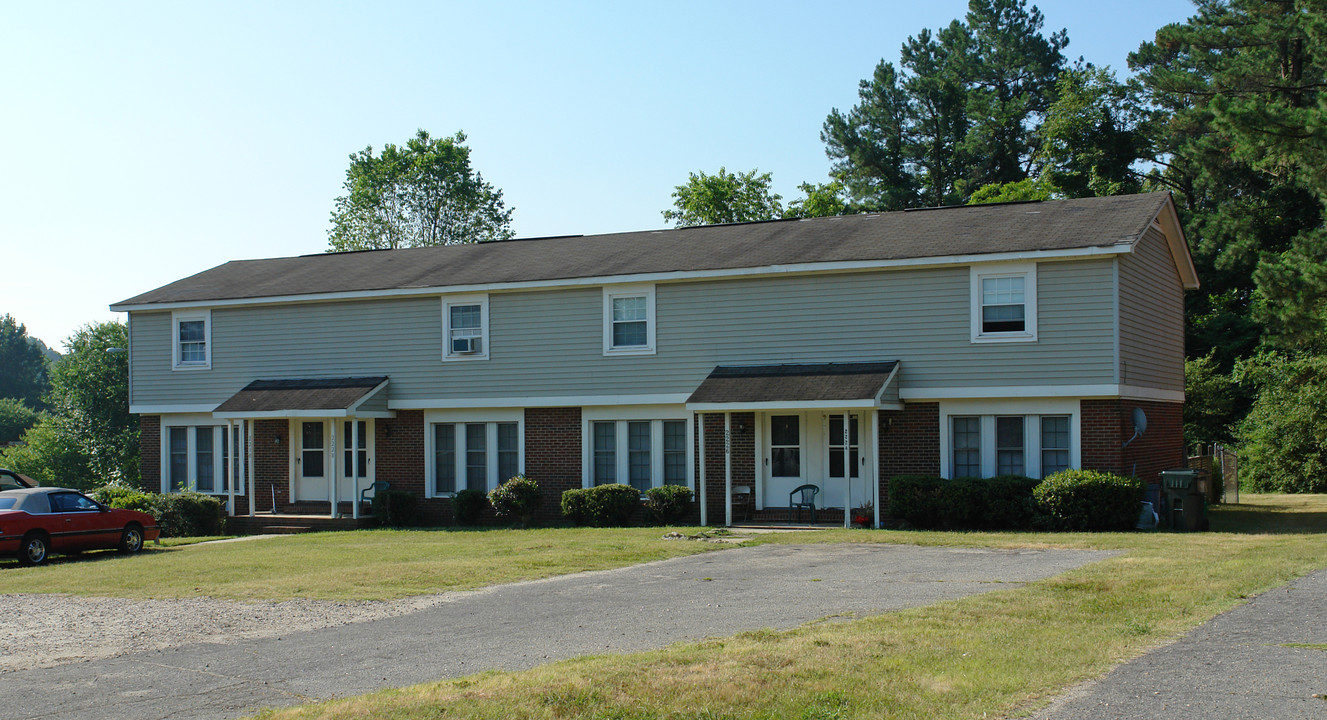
[[1265, 659]]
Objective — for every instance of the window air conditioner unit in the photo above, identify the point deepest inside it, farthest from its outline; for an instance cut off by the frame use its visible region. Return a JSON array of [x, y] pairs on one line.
[[465, 346]]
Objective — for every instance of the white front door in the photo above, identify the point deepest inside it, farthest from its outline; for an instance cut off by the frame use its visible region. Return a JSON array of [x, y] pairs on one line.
[[361, 459], [785, 457], [836, 488], [312, 460]]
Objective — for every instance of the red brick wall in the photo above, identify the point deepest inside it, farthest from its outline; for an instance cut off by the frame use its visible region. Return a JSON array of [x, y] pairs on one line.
[[1107, 424], [399, 460], [909, 443], [553, 455], [149, 452], [271, 464], [743, 462]]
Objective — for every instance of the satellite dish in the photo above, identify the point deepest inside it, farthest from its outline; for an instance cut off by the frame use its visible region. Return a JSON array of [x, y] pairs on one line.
[[1139, 426]]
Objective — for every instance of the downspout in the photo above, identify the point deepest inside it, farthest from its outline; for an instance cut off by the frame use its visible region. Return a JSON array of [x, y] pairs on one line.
[[704, 516], [728, 469]]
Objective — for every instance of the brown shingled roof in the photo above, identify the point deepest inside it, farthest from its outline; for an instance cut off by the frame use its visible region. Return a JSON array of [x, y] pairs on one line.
[[265, 396], [971, 230], [821, 382]]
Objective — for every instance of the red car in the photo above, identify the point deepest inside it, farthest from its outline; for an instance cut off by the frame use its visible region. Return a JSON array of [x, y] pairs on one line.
[[35, 522], [10, 480]]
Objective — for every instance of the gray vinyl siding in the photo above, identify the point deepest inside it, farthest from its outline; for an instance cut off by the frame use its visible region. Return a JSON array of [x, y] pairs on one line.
[[1151, 316], [550, 343]]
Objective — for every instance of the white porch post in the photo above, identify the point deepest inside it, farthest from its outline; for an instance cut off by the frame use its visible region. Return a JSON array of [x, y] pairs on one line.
[[334, 477], [704, 516], [875, 462], [230, 468], [249, 442], [728, 469], [847, 470], [354, 467]]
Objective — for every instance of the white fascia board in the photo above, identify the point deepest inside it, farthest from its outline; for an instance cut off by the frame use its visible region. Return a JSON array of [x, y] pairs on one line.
[[1168, 220], [365, 398], [172, 409], [784, 405], [534, 402], [675, 276], [1042, 391], [1009, 391], [888, 381], [325, 413]]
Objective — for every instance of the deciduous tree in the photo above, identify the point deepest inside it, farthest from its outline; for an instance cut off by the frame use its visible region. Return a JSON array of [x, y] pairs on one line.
[[22, 364], [422, 193], [724, 198]]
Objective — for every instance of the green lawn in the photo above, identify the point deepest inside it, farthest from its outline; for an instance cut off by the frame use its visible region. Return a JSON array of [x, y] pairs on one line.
[[358, 565], [993, 655]]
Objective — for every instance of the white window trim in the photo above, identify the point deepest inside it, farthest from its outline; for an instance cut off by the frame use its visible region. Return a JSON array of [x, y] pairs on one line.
[[622, 291], [480, 299], [988, 410], [491, 417], [1026, 270], [179, 316], [189, 422], [621, 416]]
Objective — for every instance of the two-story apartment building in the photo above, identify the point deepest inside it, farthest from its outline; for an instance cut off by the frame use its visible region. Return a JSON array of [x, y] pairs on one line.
[[967, 341]]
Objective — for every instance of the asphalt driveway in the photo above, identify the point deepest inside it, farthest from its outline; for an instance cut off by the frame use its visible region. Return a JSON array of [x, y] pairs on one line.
[[521, 625], [1264, 659]]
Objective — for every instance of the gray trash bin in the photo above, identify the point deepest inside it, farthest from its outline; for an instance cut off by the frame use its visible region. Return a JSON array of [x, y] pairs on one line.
[[1185, 505]]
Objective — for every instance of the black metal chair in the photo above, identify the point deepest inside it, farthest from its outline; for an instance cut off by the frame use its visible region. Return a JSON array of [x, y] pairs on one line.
[[803, 497], [742, 503]]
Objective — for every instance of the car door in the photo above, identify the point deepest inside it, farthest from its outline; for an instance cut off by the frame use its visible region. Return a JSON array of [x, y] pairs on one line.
[[78, 523]]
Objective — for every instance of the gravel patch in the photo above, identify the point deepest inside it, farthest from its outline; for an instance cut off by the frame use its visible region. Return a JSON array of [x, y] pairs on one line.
[[42, 630]]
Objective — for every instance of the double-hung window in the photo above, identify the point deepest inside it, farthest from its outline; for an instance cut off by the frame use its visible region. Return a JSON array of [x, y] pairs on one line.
[[966, 446], [639, 453], [465, 327], [1004, 302], [1054, 444], [197, 457], [191, 336], [629, 320], [473, 455]]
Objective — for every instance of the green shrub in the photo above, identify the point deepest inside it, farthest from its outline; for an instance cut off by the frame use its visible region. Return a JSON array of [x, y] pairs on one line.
[[395, 508], [468, 506], [668, 504], [1009, 504], [518, 498], [1081, 500], [999, 503], [181, 514], [576, 506], [602, 506], [119, 496], [918, 500], [189, 514]]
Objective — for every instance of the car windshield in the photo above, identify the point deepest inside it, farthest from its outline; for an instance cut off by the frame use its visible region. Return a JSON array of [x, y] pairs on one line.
[[8, 503]]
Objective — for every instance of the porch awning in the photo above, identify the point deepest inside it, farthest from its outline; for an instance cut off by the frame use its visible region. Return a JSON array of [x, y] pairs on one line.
[[796, 387], [308, 397]]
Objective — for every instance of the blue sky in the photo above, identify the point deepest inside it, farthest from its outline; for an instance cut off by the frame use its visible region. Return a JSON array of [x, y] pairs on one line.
[[148, 141]]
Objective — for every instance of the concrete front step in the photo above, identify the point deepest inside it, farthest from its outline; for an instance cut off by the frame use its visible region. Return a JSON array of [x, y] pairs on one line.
[[283, 524]]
